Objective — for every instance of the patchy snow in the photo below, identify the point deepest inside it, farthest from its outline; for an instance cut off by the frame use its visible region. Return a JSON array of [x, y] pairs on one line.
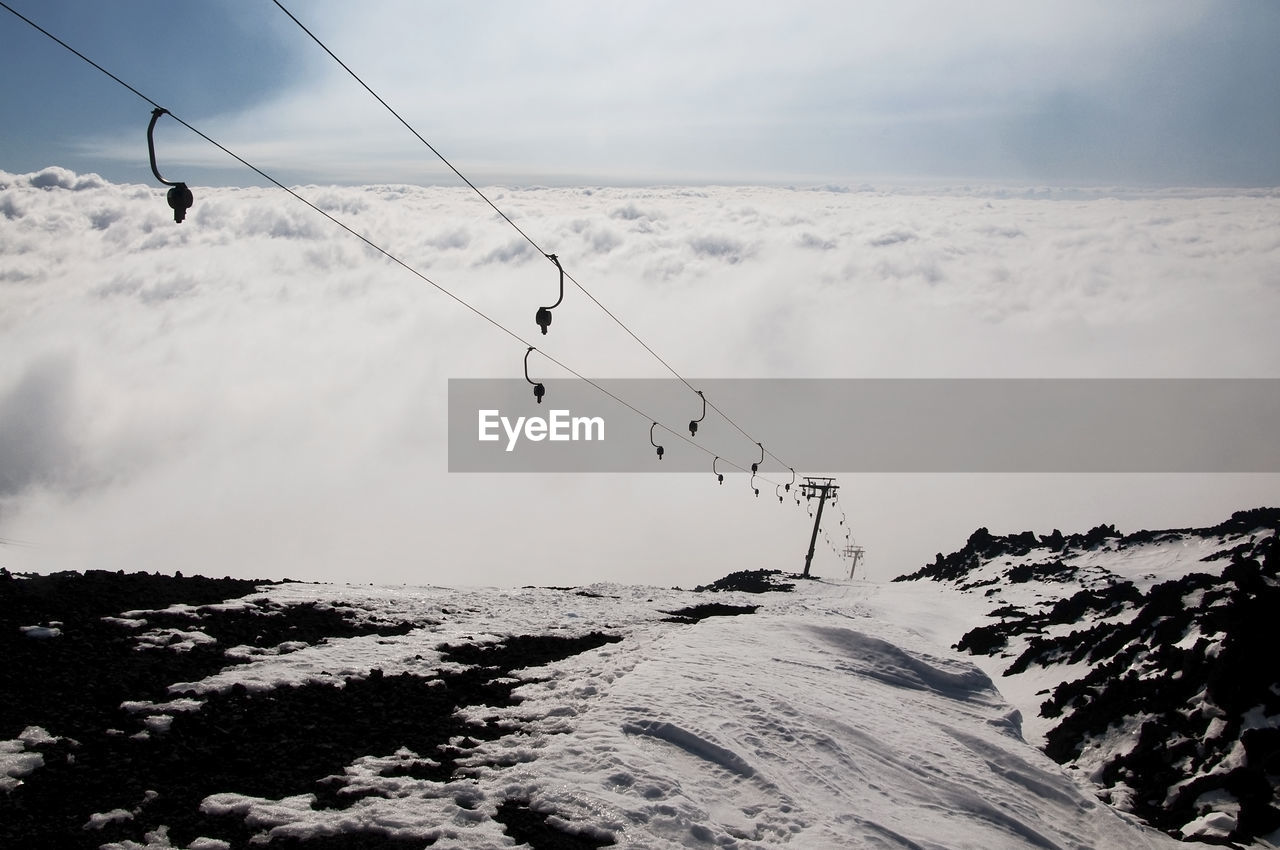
[[1135, 648], [16, 759], [835, 715], [829, 718], [182, 704], [40, 631], [33, 735], [98, 820], [158, 722], [1215, 825], [175, 639], [16, 763], [1157, 562], [126, 622], [159, 840]]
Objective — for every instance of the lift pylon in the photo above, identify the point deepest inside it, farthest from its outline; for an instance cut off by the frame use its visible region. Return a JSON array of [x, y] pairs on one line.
[[822, 488]]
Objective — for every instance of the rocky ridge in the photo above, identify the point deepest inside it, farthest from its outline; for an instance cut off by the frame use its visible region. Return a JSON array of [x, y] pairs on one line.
[[1168, 696]]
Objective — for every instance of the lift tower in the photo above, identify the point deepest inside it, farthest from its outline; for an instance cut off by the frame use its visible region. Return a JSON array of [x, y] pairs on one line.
[[854, 553], [820, 487]]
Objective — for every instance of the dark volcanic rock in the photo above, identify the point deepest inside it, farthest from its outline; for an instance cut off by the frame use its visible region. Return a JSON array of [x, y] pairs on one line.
[[983, 546], [529, 826], [749, 581], [98, 593], [74, 684], [275, 743], [1186, 666], [695, 613]]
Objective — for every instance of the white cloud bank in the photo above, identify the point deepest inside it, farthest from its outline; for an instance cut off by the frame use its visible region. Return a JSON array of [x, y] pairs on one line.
[[256, 393]]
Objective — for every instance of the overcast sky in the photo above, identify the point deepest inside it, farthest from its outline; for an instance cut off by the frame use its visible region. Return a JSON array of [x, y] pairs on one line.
[[1177, 92], [254, 393]]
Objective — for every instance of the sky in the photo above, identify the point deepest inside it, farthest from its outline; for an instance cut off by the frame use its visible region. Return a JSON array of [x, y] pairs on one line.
[[1167, 93], [255, 393]]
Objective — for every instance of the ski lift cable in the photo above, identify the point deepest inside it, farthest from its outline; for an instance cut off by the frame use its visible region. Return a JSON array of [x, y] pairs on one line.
[[517, 228], [365, 239], [262, 173], [410, 128]]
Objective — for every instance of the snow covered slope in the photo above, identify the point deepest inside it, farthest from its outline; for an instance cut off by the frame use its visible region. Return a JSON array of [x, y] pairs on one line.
[[339, 716], [1144, 662]]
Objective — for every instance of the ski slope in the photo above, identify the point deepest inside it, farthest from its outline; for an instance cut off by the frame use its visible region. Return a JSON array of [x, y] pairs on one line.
[[818, 714], [829, 717]]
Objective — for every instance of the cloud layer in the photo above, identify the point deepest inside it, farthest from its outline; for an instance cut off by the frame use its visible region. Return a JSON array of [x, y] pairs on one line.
[[255, 392]]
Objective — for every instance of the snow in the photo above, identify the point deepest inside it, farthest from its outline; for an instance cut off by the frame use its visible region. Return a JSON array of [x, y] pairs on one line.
[[158, 722], [125, 622], [98, 820], [1212, 825], [1154, 563], [1019, 596], [832, 717], [175, 639], [16, 762], [33, 735], [950, 614], [159, 840], [40, 631], [836, 715], [183, 704]]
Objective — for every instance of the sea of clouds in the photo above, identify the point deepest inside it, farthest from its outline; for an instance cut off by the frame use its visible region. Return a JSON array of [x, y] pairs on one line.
[[255, 392]]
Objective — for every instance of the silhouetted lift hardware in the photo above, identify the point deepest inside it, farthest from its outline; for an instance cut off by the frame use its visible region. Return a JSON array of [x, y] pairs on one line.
[[658, 447], [719, 475], [538, 389], [180, 197], [181, 200], [755, 467], [543, 316], [823, 488], [854, 553], [792, 481], [693, 423]]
